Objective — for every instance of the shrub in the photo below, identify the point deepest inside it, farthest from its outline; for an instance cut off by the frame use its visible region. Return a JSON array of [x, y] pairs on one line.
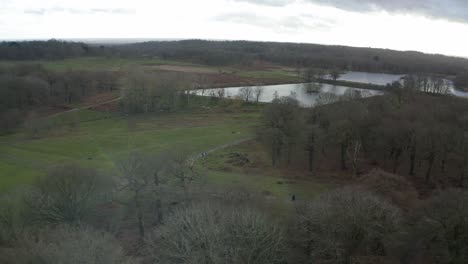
[[441, 229], [391, 186], [69, 245], [68, 194], [213, 233], [346, 223]]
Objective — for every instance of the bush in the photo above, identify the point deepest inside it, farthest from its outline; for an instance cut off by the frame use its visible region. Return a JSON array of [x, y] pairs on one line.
[[214, 233], [68, 194], [441, 229], [66, 245], [391, 186], [347, 223], [13, 216]]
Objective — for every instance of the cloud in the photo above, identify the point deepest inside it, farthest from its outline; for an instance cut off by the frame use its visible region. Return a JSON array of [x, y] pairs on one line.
[[43, 11], [455, 10], [268, 2], [282, 24], [38, 11]]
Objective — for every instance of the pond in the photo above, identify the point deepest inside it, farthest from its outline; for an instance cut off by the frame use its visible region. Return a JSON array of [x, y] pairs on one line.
[[300, 91], [308, 94], [371, 78]]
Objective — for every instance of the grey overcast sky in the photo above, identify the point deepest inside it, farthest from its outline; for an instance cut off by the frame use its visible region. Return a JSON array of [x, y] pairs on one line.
[[433, 26]]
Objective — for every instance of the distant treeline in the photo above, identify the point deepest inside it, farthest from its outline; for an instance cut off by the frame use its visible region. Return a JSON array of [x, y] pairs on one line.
[[26, 87], [48, 50], [298, 55], [220, 53]]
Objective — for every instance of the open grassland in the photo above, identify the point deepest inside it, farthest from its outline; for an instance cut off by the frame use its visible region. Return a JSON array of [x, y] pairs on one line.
[[100, 139], [266, 74], [100, 143], [97, 63], [254, 172]]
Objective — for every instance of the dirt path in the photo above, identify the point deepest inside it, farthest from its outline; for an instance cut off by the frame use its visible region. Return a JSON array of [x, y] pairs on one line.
[[86, 107], [201, 155]]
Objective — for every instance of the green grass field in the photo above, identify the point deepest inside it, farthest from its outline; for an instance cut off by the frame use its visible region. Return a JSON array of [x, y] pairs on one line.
[[100, 143], [272, 74], [96, 63]]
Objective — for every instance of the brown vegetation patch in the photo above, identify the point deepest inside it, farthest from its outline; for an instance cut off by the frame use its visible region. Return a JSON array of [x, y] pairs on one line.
[[391, 186], [99, 98], [189, 69]]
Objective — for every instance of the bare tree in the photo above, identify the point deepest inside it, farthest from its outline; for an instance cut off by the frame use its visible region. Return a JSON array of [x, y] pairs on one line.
[[258, 91], [335, 73], [141, 175], [68, 194], [441, 230], [347, 222], [246, 93], [281, 123], [182, 168], [221, 92], [217, 233], [66, 244]]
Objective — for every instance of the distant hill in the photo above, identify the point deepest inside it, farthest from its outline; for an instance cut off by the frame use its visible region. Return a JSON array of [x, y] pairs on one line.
[[299, 55], [244, 53]]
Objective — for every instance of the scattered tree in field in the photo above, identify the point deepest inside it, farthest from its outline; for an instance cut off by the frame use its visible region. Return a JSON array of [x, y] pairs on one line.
[[68, 194], [246, 93], [14, 219], [280, 128], [65, 244], [335, 73], [143, 176], [153, 92], [345, 223], [221, 93], [182, 168], [217, 233], [258, 91]]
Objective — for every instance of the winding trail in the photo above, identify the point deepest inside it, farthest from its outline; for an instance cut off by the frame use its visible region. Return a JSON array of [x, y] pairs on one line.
[[86, 107], [201, 155]]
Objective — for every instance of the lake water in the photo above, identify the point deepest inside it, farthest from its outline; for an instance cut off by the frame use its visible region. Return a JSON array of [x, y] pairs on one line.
[[299, 91], [384, 79], [308, 99], [371, 78]]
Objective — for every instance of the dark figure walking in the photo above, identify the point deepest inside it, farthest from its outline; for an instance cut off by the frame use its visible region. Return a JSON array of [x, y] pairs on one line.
[[293, 197]]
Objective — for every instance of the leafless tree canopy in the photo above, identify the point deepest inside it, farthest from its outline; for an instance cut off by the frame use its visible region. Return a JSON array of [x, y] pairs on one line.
[[65, 244], [214, 233], [347, 222]]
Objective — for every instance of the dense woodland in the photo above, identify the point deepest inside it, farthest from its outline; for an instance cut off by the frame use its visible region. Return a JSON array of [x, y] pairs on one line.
[[299, 55], [401, 160], [401, 132], [30, 87], [46, 50], [248, 53]]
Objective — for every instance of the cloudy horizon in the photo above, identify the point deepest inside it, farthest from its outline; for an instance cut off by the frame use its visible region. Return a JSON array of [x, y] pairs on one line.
[[428, 26]]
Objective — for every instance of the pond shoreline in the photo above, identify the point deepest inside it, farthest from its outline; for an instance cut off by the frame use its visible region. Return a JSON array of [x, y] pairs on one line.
[[358, 85]]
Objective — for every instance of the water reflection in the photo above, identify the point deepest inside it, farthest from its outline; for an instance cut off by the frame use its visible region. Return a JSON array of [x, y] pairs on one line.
[[371, 78], [306, 93]]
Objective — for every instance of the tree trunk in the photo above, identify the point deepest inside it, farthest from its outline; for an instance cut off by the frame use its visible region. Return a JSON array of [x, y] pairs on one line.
[[141, 227], [412, 159], [461, 180], [158, 205], [311, 158], [343, 156], [273, 155], [396, 159], [159, 213], [430, 164]]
